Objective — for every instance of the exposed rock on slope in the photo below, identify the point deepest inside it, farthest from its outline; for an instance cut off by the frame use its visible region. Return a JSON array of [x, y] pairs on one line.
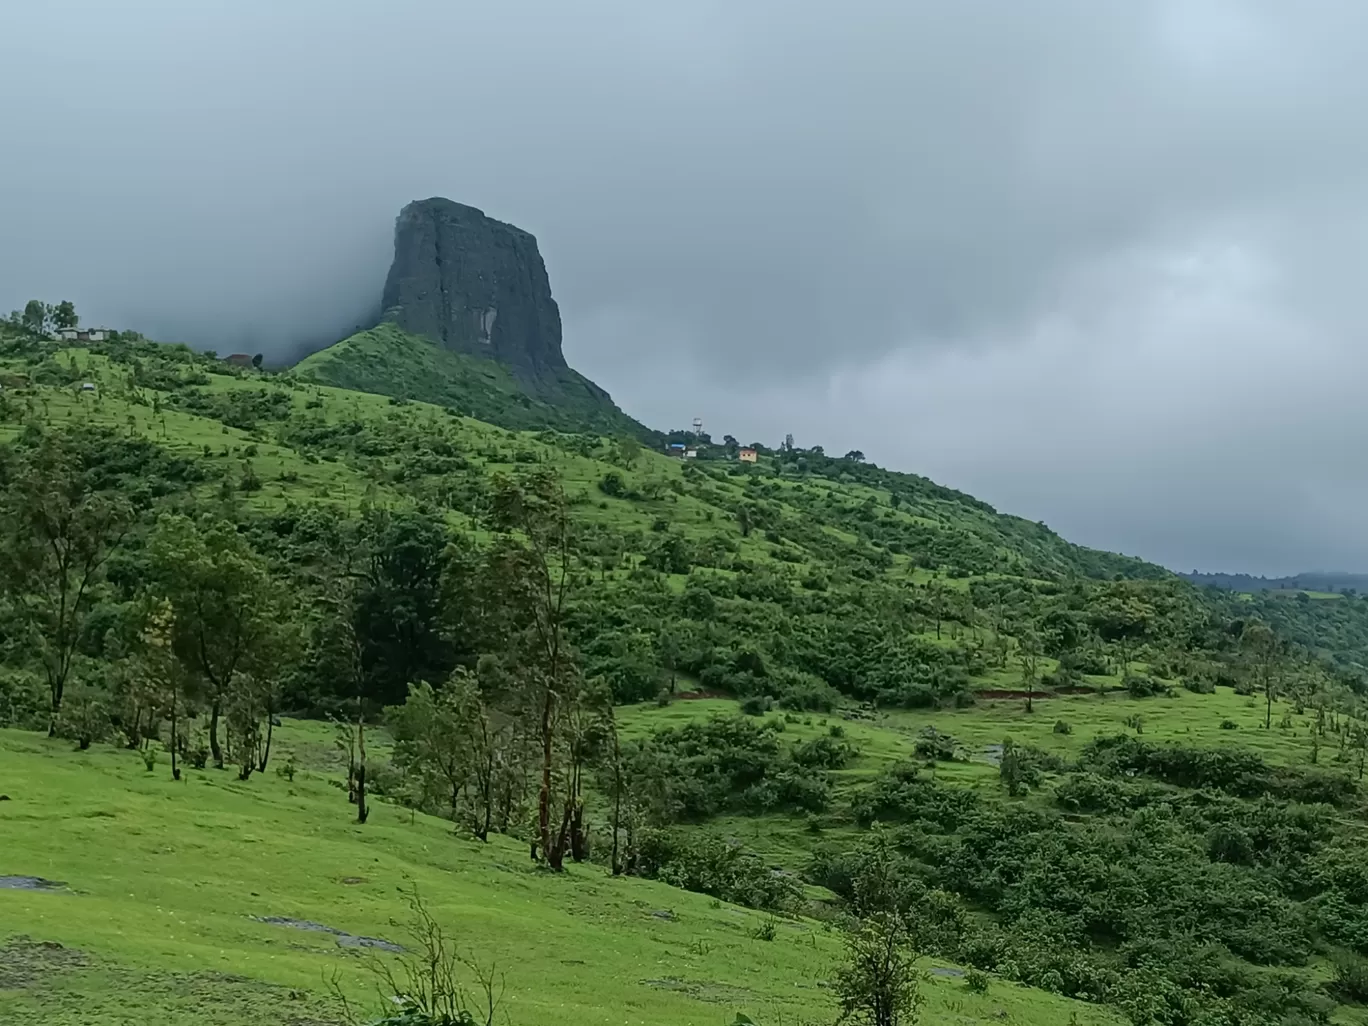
[[478, 286], [468, 323]]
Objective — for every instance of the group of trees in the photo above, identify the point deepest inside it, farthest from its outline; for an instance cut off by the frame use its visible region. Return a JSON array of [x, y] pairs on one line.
[[43, 318], [202, 622], [174, 623]]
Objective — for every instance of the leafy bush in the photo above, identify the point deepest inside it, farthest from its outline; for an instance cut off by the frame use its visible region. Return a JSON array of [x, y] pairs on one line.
[[824, 753], [1351, 979], [932, 744], [710, 865], [1140, 686], [1063, 727], [901, 795], [1236, 771], [23, 701], [728, 763]]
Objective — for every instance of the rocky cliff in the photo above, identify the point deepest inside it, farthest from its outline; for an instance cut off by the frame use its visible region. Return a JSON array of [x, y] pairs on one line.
[[476, 286]]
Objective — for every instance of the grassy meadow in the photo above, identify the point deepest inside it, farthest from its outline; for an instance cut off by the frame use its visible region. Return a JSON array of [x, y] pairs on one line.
[[163, 881]]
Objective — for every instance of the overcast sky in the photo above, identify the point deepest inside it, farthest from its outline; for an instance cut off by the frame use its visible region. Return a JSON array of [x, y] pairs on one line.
[[1102, 263]]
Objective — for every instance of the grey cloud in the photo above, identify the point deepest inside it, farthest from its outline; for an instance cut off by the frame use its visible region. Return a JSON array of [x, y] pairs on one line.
[[884, 218]]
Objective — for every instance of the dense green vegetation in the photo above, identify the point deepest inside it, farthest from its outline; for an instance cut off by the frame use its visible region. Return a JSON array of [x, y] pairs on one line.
[[808, 686]]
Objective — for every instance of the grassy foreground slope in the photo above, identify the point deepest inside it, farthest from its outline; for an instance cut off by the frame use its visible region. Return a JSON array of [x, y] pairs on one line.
[[164, 881]]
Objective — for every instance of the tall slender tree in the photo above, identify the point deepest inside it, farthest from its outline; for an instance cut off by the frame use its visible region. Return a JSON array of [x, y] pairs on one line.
[[1263, 654], [536, 568]]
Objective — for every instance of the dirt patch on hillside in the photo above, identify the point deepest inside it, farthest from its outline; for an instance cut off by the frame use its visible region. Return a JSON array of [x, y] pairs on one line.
[[344, 939], [29, 883], [24, 962], [702, 990]]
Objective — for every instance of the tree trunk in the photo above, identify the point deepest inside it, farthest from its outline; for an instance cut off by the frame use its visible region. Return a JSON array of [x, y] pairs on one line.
[[215, 749], [579, 844], [544, 796], [175, 739], [615, 859], [361, 811], [487, 800], [266, 752], [55, 689], [555, 855]]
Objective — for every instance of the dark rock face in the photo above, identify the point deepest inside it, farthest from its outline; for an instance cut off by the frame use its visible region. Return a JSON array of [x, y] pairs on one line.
[[476, 286]]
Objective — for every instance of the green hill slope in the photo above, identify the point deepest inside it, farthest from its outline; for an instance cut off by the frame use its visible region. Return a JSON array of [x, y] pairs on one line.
[[388, 361], [1166, 839], [166, 884]]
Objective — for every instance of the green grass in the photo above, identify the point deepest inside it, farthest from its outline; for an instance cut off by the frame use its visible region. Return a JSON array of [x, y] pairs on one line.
[[1183, 718], [890, 736], [389, 361], [165, 879]]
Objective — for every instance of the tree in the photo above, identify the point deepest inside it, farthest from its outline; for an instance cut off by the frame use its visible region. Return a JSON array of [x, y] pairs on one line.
[[227, 608], [535, 569], [878, 984], [855, 456], [63, 315], [430, 740], [938, 604], [669, 647], [158, 664], [626, 451], [1029, 655], [35, 316], [588, 725], [1263, 655], [338, 656], [56, 534], [256, 361], [400, 603], [1123, 619], [1010, 769], [616, 776]]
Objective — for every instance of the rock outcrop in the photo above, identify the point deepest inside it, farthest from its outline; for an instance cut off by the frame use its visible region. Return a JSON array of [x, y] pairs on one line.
[[478, 286]]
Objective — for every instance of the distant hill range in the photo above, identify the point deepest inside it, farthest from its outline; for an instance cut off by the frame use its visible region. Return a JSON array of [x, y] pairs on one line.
[[1318, 580], [469, 322]]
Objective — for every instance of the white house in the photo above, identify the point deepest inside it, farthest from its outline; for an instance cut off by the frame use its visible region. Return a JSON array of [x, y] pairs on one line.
[[83, 334]]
